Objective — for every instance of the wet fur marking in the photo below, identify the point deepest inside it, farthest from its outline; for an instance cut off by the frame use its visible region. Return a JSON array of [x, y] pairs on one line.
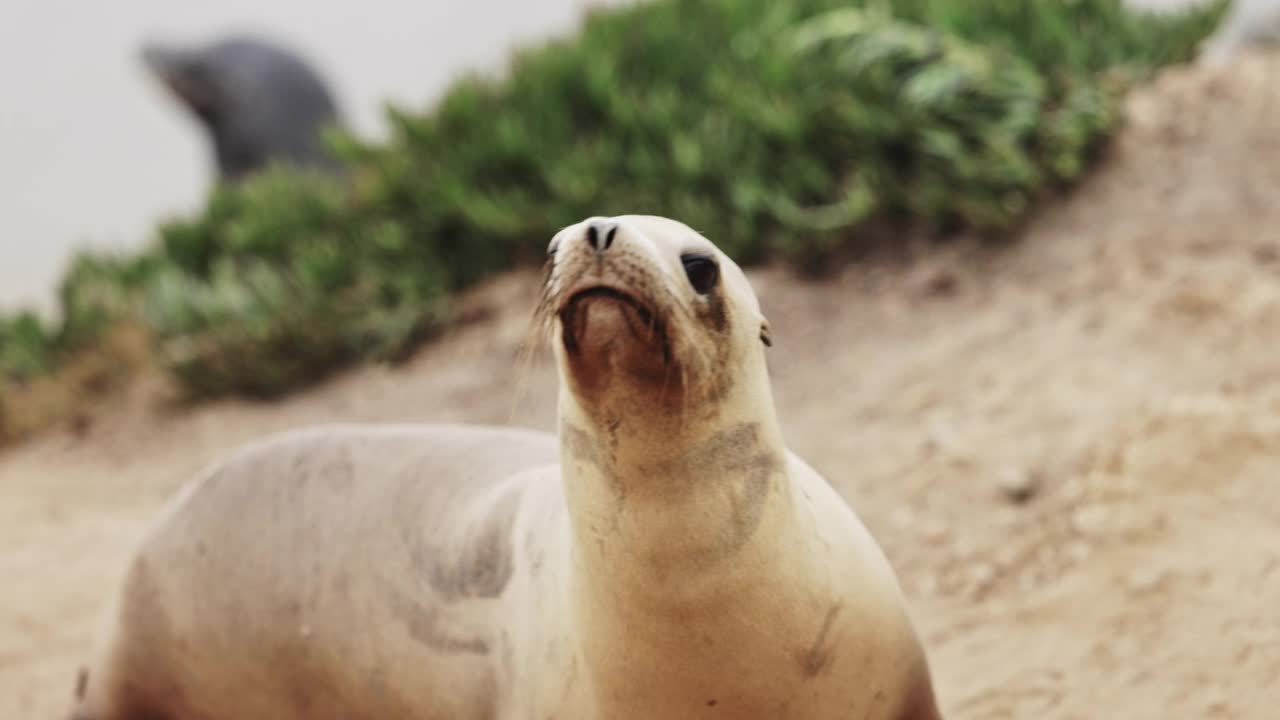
[[457, 560], [820, 656], [581, 446], [482, 567], [757, 466], [460, 562], [738, 453], [425, 625], [716, 312]]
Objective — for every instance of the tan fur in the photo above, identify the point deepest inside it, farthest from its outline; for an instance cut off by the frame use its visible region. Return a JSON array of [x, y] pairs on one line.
[[665, 557]]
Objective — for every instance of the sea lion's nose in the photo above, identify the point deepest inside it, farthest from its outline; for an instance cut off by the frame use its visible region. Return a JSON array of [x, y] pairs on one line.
[[600, 234]]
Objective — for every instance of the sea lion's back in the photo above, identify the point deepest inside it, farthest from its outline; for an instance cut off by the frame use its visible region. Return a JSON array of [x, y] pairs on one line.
[[338, 476], [315, 562]]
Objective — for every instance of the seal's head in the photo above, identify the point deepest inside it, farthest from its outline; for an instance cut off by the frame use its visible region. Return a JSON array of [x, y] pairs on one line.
[[649, 315], [259, 102]]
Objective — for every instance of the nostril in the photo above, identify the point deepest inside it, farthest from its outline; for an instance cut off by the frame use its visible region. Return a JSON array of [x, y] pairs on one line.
[[600, 235]]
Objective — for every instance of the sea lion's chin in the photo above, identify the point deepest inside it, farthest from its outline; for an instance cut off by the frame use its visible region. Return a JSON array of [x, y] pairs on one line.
[[609, 335]]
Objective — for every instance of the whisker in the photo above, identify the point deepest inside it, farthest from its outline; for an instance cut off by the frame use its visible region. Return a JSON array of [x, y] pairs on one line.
[[541, 324]]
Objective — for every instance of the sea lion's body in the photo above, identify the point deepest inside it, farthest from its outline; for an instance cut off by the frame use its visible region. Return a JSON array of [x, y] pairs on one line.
[[473, 573], [361, 577]]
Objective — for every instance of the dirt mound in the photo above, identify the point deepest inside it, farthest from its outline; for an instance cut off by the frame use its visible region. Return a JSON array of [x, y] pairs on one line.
[[1069, 447]]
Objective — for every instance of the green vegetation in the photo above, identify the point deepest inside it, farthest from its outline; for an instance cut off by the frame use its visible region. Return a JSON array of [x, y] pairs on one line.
[[782, 129]]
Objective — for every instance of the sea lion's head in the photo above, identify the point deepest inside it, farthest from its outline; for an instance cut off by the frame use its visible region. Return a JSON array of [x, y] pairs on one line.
[[193, 81], [259, 102], [650, 316]]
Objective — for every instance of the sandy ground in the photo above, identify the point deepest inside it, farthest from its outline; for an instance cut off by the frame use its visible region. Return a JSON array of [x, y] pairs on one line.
[[1119, 361]]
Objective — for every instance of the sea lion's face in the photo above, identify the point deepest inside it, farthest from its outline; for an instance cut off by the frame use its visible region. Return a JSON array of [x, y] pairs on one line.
[[190, 78], [645, 309]]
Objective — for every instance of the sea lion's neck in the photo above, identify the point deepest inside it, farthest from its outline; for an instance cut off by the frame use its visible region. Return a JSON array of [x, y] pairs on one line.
[[677, 511]]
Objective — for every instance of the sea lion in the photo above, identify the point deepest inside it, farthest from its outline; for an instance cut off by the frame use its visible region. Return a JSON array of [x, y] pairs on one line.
[[663, 556], [259, 103]]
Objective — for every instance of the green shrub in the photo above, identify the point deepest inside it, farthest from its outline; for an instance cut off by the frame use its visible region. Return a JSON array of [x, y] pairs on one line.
[[97, 290], [781, 129], [284, 283], [26, 348]]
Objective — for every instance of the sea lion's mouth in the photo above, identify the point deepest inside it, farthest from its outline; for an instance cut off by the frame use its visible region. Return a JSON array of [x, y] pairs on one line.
[[597, 315], [602, 291]]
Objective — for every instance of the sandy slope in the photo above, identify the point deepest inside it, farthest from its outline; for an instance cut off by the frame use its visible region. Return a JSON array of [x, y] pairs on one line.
[[1123, 356]]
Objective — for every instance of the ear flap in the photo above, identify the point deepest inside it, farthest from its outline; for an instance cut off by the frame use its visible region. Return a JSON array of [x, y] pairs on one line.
[[766, 335]]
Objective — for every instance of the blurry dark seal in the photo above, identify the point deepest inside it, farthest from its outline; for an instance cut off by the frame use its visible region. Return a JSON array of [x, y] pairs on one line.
[[664, 556], [259, 103]]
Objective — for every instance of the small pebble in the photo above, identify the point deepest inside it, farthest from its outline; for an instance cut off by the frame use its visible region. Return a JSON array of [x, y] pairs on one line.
[[1019, 484]]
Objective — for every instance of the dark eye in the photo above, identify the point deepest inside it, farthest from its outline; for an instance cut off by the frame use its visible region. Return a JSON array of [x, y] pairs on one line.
[[702, 272]]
